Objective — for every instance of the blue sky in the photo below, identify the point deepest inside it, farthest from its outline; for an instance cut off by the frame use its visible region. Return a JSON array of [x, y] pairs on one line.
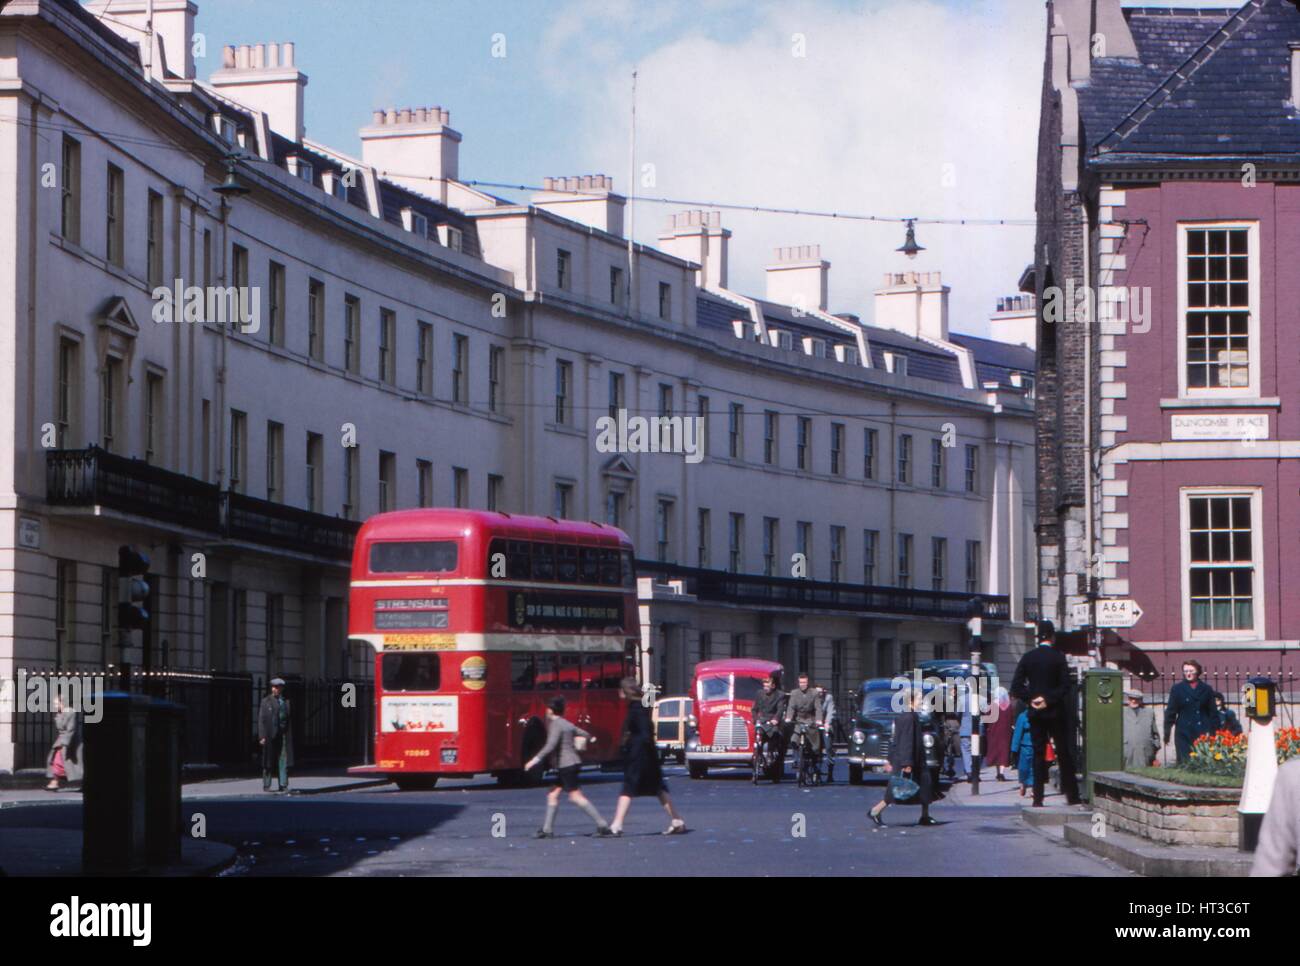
[[896, 107]]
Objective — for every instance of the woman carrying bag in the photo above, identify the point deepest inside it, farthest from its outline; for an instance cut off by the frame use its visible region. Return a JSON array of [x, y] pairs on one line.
[[910, 782]]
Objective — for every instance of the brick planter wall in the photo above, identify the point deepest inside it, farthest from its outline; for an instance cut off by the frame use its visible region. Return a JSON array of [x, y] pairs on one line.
[[1166, 812]]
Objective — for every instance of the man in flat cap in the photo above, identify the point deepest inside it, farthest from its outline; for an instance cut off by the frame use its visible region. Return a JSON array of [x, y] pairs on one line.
[[1141, 736], [275, 736]]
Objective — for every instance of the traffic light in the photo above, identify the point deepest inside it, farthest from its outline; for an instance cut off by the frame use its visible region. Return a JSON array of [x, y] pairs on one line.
[[132, 589]]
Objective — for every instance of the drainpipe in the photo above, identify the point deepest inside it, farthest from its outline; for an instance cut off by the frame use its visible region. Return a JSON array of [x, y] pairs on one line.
[[221, 359], [1090, 594]]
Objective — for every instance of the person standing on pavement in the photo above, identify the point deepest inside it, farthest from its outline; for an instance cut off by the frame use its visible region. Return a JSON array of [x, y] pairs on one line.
[[275, 735], [907, 758], [1141, 736], [642, 774], [1022, 746], [1190, 712], [997, 734], [561, 753], [1278, 851], [1042, 679], [64, 761]]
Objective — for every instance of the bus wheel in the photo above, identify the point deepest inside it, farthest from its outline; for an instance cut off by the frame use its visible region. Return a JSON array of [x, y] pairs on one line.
[[699, 769], [855, 774], [415, 783]]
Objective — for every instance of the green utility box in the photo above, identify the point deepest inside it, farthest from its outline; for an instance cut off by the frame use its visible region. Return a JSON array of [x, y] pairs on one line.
[[1103, 723]]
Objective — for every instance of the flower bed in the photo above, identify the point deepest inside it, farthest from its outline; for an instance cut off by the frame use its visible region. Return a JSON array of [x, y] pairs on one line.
[[1223, 754], [1165, 811]]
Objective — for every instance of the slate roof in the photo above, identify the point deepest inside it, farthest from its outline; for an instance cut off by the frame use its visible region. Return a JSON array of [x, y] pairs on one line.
[[712, 312], [1230, 97], [996, 361], [1165, 38]]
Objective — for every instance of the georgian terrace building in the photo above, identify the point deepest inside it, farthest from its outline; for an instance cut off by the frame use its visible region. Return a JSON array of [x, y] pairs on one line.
[[420, 342], [1169, 445]]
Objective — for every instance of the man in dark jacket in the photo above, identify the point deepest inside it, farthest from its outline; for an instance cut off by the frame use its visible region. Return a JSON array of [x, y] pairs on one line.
[[1042, 681], [1191, 709], [769, 709], [275, 736]]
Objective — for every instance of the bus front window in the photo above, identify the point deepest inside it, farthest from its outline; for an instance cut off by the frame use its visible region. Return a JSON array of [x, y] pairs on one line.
[[406, 671], [413, 557]]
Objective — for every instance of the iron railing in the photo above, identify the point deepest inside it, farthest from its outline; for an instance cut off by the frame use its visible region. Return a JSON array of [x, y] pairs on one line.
[[96, 477], [764, 591], [331, 719]]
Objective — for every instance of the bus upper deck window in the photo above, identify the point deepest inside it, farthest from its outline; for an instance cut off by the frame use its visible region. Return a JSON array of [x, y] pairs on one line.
[[610, 568], [519, 560], [544, 561], [413, 557], [589, 565], [566, 566]]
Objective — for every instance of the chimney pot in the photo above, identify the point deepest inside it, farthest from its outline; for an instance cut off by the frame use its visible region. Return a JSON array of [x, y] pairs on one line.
[[286, 54], [228, 57], [273, 55], [259, 56]]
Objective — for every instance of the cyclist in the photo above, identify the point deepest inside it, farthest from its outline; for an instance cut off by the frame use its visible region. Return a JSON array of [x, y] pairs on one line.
[[804, 708], [769, 709], [828, 726]]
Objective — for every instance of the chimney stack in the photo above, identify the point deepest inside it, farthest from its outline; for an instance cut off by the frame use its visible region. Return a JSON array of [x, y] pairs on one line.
[[698, 236], [414, 147], [263, 77], [914, 303], [799, 277], [588, 198], [173, 28]]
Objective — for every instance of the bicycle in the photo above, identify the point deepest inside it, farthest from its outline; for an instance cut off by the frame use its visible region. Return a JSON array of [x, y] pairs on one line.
[[768, 757], [806, 760]]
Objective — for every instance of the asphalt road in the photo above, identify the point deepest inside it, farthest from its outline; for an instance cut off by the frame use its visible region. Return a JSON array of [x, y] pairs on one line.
[[478, 828]]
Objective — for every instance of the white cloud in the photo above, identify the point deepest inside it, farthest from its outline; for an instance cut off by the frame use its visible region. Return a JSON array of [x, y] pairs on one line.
[[888, 94]]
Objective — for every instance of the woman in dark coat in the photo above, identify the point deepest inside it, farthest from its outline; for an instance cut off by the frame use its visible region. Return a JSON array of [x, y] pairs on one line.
[[997, 734], [641, 772], [907, 758]]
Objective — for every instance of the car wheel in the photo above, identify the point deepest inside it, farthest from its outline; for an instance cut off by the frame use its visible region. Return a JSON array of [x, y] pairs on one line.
[[855, 774], [699, 770]]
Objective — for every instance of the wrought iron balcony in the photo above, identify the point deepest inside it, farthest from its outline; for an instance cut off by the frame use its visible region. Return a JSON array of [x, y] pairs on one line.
[[96, 477], [759, 590]]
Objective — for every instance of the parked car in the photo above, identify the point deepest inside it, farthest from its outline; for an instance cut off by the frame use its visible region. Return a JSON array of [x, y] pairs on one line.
[[721, 731], [872, 727], [670, 718]]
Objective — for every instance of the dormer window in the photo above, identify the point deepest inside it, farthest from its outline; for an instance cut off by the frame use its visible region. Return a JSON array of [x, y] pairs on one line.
[[224, 127], [815, 347], [415, 223], [847, 354], [332, 182], [780, 339], [450, 236], [300, 168], [895, 363]]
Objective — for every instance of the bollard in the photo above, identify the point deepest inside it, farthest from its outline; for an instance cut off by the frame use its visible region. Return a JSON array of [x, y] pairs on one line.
[[113, 789], [162, 805]]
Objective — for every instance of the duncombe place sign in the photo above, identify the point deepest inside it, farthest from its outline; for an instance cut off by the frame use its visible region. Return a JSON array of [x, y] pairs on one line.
[[1244, 426]]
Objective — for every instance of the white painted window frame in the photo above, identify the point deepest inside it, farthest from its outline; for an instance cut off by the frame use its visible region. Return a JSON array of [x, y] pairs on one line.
[[1256, 494], [1253, 327]]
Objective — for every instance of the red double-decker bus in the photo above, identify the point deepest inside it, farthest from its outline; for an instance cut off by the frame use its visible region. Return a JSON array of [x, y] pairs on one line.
[[477, 619]]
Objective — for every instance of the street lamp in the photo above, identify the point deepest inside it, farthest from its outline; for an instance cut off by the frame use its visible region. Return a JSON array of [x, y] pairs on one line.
[[909, 247], [975, 624]]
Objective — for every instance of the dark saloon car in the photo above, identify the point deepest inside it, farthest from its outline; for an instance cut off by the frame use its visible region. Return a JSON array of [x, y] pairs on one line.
[[872, 729]]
